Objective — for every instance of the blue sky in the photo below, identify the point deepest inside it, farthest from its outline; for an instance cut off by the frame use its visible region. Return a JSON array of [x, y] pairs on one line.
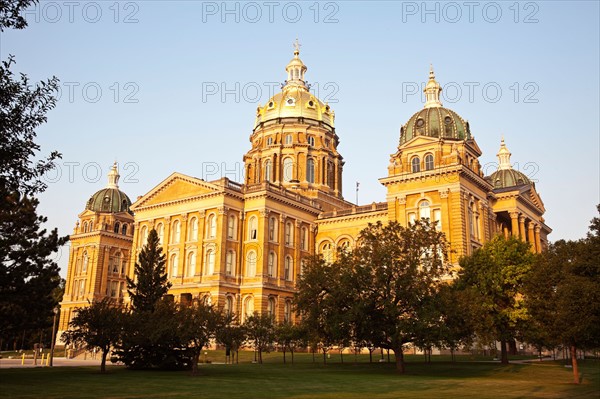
[[173, 86]]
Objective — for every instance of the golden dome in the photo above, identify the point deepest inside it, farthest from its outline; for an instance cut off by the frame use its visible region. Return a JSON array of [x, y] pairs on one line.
[[295, 100]]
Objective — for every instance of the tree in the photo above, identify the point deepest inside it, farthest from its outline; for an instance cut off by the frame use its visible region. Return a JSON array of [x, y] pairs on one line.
[[289, 337], [28, 273], [261, 332], [199, 324], [492, 280], [563, 296], [231, 335], [97, 326], [151, 282], [456, 326]]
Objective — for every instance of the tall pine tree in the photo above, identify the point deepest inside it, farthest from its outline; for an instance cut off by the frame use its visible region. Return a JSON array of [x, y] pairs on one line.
[[151, 282]]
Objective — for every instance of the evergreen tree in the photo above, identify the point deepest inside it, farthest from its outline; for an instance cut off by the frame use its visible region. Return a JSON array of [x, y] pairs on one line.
[[151, 282]]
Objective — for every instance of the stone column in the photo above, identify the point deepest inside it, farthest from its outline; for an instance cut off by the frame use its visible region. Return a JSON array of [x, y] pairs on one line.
[[522, 228], [538, 243], [531, 236], [514, 224]]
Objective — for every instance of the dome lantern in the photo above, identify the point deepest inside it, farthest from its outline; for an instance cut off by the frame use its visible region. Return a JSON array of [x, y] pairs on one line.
[[503, 157], [432, 91], [296, 68], [113, 177], [506, 176]]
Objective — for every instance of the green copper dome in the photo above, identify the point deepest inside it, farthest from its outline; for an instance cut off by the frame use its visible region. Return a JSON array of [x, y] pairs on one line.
[[436, 122], [506, 176], [110, 199]]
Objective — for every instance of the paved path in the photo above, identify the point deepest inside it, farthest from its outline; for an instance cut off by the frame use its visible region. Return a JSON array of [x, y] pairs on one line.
[[58, 362]]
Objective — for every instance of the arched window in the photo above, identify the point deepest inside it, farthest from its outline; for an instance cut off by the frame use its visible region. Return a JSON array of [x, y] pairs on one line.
[[86, 259], [228, 308], [116, 263], [124, 229], [310, 170], [251, 263], [144, 236], [288, 169], [191, 264], [211, 226], [84, 228], [344, 245], [287, 312], [273, 229], [252, 228], [289, 233], [210, 262], [424, 210], [230, 262], [288, 268], [248, 307], [311, 141], [116, 228], [415, 165], [271, 307], [272, 264], [304, 239], [174, 265], [268, 168], [326, 251], [193, 234], [160, 230], [231, 227], [428, 162], [175, 232]]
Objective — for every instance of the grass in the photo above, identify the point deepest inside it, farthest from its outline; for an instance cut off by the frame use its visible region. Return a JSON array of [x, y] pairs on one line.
[[463, 379]]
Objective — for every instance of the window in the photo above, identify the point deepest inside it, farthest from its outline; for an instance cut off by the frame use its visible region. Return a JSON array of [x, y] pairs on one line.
[[231, 230], [116, 263], [304, 239], [326, 251], [174, 265], [160, 230], [424, 210], [176, 232], [191, 264], [288, 169], [271, 307], [289, 234], [269, 140], [229, 262], [437, 218], [85, 261], [81, 287], [193, 235], [268, 170], [84, 228], [428, 162], [415, 165], [144, 236], [114, 289], [344, 245], [117, 227], [248, 307], [124, 229], [471, 219], [288, 139], [288, 268], [412, 217], [311, 141], [287, 312], [302, 265], [211, 226], [210, 262], [252, 228], [228, 308], [251, 263], [271, 264], [272, 229], [310, 170]]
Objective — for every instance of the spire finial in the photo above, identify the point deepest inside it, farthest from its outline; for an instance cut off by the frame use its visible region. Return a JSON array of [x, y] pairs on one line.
[[432, 91], [113, 176], [503, 156], [297, 46]]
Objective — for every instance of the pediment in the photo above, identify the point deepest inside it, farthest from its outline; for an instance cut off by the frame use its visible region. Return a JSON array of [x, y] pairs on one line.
[[175, 187]]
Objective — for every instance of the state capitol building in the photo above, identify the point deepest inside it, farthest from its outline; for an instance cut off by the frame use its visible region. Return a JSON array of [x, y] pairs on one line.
[[240, 245]]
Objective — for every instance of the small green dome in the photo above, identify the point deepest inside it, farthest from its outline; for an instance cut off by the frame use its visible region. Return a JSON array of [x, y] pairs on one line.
[[504, 178], [436, 122], [110, 200]]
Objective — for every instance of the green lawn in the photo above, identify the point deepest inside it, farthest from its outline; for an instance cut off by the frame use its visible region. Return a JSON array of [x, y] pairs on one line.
[[306, 380]]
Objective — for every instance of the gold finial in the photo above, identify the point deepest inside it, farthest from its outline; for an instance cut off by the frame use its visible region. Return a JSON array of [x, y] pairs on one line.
[[297, 46], [431, 74]]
